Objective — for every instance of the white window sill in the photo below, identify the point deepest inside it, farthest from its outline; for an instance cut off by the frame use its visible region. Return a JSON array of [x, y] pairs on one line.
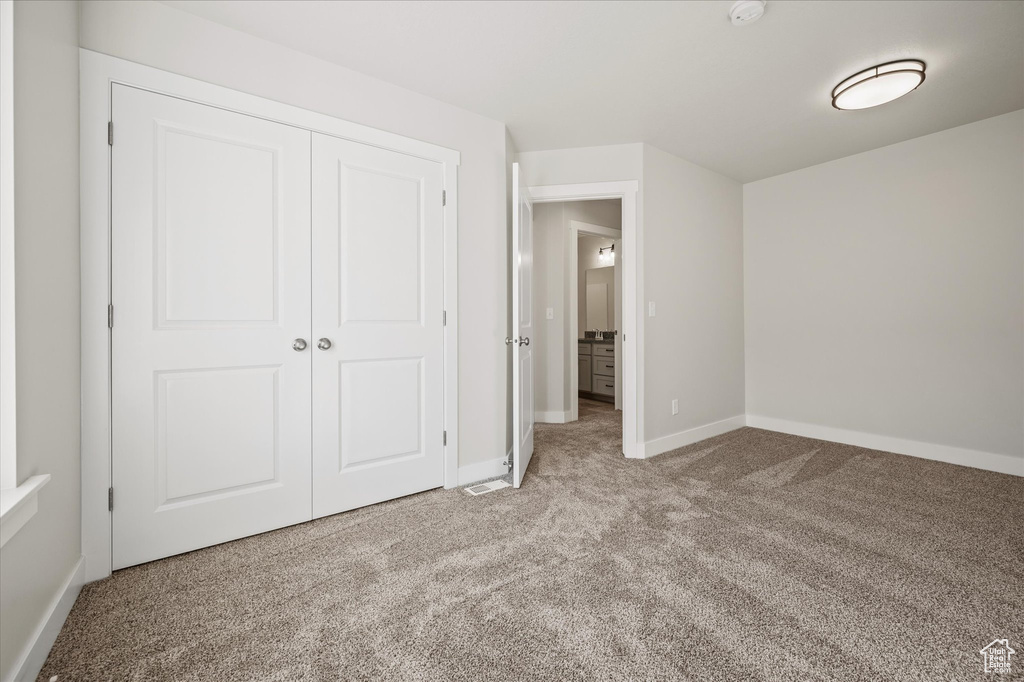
[[18, 505]]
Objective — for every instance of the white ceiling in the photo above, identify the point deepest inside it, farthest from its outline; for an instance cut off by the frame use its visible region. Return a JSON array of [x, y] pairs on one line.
[[748, 102]]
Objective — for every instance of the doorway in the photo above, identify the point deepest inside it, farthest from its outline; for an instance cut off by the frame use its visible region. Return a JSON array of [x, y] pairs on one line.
[[555, 319], [594, 342], [577, 269]]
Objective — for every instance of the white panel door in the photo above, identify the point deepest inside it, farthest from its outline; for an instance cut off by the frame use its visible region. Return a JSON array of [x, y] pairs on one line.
[[618, 323], [522, 321], [378, 334], [210, 286]]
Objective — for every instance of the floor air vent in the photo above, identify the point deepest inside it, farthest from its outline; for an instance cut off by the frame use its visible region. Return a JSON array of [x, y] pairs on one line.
[[484, 488]]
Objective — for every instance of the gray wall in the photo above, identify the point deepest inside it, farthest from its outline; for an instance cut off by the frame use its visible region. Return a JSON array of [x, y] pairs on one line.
[[885, 291], [693, 272], [550, 273], [35, 563]]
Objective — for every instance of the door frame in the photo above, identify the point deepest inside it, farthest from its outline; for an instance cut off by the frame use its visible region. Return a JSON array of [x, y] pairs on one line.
[[632, 332], [98, 74], [576, 228]]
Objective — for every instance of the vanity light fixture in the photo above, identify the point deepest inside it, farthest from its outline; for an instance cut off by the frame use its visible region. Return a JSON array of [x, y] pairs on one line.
[[608, 257], [879, 84]]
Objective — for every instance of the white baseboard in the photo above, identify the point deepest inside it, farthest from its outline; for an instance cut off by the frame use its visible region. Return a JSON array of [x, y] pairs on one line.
[[33, 656], [552, 417], [1003, 464], [690, 436], [480, 471]]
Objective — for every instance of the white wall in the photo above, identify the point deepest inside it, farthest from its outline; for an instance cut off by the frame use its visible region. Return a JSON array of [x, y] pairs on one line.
[[584, 164], [35, 563], [154, 34], [693, 272], [885, 291]]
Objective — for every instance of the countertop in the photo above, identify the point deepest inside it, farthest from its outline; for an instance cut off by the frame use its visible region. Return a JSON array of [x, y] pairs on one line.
[[597, 340]]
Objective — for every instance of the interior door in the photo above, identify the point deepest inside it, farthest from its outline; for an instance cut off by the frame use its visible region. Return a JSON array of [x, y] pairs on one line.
[[522, 321], [378, 312], [210, 286], [618, 323]]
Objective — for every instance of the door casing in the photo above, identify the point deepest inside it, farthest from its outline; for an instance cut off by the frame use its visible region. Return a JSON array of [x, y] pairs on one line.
[[98, 74], [632, 332]]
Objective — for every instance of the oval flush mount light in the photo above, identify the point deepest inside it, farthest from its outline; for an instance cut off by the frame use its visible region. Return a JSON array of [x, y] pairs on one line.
[[746, 11], [878, 85]]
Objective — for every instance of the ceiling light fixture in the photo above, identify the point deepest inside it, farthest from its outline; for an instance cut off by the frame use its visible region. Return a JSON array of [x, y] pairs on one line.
[[879, 84], [746, 12]]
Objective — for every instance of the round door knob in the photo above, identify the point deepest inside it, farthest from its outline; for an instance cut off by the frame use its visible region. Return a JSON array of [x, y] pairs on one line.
[[524, 341], [323, 344], [509, 341], [299, 344]]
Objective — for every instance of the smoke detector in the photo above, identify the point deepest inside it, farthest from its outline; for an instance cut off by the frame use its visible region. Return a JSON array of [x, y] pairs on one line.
[[745, 12]]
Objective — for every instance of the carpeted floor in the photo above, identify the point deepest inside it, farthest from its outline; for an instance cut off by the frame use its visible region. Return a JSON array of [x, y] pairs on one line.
[[750, 556]]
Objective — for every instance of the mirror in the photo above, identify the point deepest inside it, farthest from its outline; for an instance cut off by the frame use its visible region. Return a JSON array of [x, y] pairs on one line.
[[600, 305]]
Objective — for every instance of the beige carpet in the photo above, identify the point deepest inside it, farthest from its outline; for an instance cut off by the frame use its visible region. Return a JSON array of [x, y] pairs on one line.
[[750, 556]]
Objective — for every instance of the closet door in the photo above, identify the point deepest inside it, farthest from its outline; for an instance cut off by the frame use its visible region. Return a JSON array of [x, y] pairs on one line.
[[378, 334], [211, 289]]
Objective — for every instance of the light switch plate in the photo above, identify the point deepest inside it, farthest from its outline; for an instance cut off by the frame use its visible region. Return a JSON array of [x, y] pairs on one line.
[[650, 309], [550, 313], [675, 406]]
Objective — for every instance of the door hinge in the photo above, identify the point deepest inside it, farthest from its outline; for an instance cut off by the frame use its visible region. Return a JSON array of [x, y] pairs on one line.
[[110, 315], [444, 438], [110, 499], [444, 198], [444, 318], [110, 133]]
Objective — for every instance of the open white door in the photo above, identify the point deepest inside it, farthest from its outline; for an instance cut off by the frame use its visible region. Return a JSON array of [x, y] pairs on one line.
[[618, 323], [522, 328]]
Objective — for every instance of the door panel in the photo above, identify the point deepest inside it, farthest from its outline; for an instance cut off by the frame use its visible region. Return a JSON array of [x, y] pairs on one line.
[[233, 449], [618, 323], [210, 285], [216, 231], [522, 311], [378, 265], [370, 389]]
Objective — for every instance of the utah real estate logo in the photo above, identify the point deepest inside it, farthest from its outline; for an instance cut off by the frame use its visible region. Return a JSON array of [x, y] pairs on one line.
[[997, 656]]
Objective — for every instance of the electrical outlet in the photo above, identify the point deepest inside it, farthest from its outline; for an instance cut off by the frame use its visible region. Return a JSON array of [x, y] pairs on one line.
[[550, 313], [675, 406], [650, 309]]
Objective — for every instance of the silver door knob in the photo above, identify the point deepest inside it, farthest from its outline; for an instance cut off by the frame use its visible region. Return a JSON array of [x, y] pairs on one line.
[[524, 341], [299, 344], [323, 344], [509, 341]]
